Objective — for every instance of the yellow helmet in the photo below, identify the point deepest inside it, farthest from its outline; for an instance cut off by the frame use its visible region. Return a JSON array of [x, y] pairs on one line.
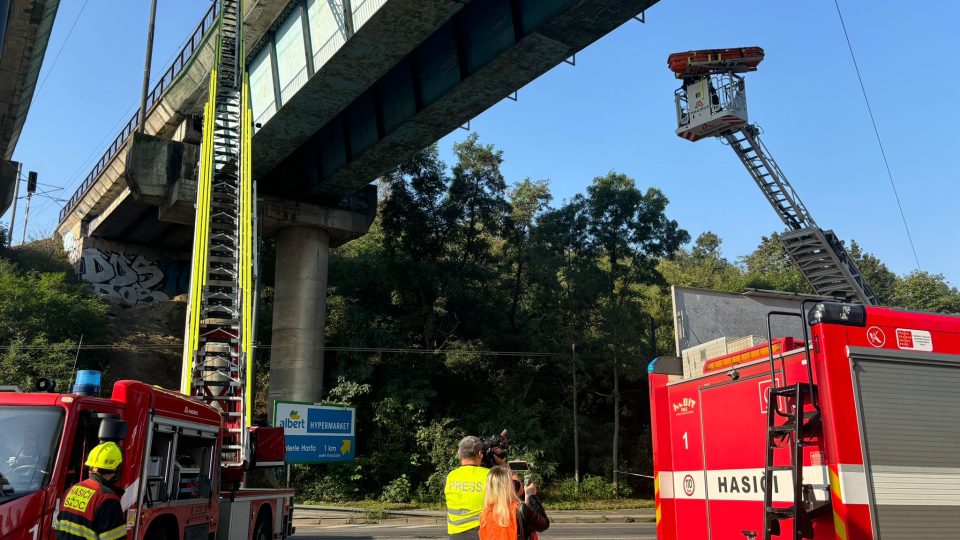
[[105, 456]]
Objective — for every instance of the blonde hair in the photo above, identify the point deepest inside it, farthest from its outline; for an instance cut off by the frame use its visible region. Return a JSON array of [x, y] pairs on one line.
[[500, 494]]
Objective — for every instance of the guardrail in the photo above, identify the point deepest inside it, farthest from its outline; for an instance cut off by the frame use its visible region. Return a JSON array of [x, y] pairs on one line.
[[181, 61], [365, 10]]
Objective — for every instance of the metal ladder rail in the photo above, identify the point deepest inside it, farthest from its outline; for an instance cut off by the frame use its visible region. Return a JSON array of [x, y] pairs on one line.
[[220, 363], [799, 427], [219, 325], [827, 266], [797, 430], [868, 296], [818, 254], [768, 176]]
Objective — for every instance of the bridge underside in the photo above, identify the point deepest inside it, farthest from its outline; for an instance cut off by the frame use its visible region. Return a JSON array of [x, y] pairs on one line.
[[136, 222], [25, 27], [414, 71], [480, 55]]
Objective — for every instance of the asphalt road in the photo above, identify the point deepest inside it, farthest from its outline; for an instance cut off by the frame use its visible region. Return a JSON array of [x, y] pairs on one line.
[[566, 531]]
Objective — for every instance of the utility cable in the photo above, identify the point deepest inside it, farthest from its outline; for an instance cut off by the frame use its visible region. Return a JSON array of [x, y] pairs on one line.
[[125, 117], [98, 148], [62, 45], [24, 178], [876, 131], [374, 350]]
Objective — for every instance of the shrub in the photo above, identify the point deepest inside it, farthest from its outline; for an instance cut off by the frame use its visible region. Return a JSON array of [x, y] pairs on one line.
[[564, 489], [397, 491], [42, 317], [591, 487], [335, 482], [597, 487], [437, 442]]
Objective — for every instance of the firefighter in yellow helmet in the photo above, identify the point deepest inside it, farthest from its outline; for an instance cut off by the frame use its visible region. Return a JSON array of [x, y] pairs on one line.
[[91, 509]]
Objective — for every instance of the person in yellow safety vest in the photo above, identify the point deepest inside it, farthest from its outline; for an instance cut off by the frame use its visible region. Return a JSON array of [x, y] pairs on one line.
[[464, 491], [91, 509]]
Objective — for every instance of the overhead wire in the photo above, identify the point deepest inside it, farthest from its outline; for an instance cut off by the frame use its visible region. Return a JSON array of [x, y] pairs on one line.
[[97, 152], [371, 350], [25, 178], [98, 147], [40, 206], [62, 45], [876, 131]]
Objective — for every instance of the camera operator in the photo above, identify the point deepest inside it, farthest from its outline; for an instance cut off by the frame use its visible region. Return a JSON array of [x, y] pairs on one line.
[[464, 491], [495, 455]]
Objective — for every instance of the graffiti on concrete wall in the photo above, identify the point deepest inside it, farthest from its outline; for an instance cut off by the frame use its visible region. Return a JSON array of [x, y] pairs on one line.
[[133, 279]]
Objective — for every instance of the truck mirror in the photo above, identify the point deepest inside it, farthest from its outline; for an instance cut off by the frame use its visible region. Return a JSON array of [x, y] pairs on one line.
[[112, 429]]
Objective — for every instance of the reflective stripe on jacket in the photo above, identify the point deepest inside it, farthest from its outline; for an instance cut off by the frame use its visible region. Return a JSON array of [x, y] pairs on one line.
[[90, 511], [464, 494]]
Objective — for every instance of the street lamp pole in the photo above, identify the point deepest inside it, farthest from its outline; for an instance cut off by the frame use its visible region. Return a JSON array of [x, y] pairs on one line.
[[146, 67]]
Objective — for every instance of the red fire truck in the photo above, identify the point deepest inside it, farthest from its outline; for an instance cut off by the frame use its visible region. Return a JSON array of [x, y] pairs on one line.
[[849, 432], [171, 472], [187, 454]]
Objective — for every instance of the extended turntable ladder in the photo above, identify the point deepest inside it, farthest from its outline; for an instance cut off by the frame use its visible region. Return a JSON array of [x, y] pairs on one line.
[[218, 355]]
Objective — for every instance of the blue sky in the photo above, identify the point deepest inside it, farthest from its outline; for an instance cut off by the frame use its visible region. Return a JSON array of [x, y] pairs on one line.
[[614, 111]]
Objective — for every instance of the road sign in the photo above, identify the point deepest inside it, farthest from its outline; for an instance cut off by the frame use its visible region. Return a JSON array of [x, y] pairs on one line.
[[316, 433]]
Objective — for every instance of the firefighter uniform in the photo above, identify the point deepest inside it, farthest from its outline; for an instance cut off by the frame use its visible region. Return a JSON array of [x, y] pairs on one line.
[[91, 509], [464, 493]]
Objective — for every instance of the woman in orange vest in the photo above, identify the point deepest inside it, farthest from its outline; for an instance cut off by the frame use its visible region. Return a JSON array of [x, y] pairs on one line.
[[504, 517]]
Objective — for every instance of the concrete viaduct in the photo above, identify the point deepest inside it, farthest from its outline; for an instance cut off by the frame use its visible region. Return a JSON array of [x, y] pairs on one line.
[[342, 91], [25, 27]]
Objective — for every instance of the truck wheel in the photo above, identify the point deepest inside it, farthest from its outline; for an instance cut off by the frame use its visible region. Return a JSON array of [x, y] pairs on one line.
[[262, 530], [157, 533]]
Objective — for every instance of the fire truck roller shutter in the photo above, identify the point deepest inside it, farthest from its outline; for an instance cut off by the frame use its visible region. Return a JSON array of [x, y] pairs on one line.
[[907, 405]]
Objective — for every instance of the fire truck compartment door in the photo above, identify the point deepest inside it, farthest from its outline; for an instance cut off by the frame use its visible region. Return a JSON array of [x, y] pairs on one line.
[[908, 406]]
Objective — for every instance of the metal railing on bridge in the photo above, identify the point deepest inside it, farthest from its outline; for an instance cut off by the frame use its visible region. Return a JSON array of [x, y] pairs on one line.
[[362, 13], [153, 98]]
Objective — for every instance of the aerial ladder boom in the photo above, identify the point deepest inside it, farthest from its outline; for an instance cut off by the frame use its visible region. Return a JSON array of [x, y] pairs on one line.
[[712, 103], [218, 341]]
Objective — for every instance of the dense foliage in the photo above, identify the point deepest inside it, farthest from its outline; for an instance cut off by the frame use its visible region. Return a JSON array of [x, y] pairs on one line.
[[43, 313], [460, 264], [472, 305], [769, 268]]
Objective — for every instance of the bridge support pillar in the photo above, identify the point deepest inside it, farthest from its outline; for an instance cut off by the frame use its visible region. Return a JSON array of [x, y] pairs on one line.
[[299, 310], [305, 233]]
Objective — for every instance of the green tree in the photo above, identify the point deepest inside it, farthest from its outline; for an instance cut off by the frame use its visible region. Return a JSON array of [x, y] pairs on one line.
[[875, 273], [926, 292], [627, 233], [528, 200], [630, 229], [42, 317], [478, 190], [769, 267], [702, 266]]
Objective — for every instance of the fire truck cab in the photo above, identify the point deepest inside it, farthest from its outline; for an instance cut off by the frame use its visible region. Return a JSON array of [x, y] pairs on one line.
[[850, 433], [171, 471]]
